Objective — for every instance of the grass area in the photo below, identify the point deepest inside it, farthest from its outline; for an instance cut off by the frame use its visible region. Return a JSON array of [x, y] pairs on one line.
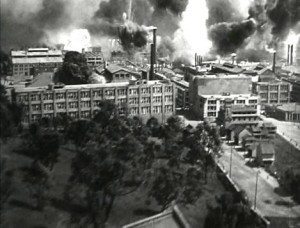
[[19, 210], [287, 156]]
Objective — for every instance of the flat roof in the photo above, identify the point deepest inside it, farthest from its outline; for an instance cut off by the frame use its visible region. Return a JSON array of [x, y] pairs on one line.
[[291, 107], [37, 60], [87, 86], [232, 96], [34, 52]]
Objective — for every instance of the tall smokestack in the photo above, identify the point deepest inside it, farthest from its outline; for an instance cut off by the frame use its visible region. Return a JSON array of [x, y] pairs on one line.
[[153, 54], [292, 52], [195, 59], [274, 61], [288, 55]]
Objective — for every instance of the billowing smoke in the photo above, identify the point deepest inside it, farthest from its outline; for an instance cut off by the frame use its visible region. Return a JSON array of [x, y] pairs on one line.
[[132, 35], [228, 37], [34, 23], [284, 14]]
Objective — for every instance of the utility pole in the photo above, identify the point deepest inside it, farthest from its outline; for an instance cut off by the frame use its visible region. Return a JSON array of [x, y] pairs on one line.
[[230, 161], [255, 195]]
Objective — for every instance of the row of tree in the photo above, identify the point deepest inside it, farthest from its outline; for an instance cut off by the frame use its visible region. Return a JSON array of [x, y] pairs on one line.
[[117, 155]]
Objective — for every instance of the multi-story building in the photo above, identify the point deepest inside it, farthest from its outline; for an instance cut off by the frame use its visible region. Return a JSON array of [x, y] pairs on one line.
[[35, 60], [182, 94], [116, 73], [208, 94], [285, 112], [135, 98], [246, 115], [94, 57], [273, 92]]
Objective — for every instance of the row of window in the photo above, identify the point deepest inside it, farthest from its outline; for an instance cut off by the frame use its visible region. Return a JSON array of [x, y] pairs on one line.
[[274, 87]]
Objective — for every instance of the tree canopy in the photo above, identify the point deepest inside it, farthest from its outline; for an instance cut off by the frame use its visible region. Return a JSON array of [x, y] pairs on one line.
[[74, 69]]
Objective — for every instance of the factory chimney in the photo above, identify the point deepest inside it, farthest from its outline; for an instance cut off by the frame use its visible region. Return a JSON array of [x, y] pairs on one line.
[[288, 55], [291, 56], [153, 54], [274, 61]]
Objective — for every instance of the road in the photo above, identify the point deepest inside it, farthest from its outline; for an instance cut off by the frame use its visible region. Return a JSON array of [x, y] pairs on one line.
[[269, 203], [289, 130]]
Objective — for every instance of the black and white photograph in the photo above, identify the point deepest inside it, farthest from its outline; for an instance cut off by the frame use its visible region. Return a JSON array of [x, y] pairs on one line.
[[150, 113]]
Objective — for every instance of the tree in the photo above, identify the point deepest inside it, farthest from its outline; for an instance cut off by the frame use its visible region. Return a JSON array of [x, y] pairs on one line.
[[11, 115], [108, 170], [74, 69], [232, 210], [171, 184], [80, 132]]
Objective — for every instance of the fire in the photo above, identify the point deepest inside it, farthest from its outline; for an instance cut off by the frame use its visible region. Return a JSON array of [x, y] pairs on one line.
[[77, 40], [292, 39], [191, 37]]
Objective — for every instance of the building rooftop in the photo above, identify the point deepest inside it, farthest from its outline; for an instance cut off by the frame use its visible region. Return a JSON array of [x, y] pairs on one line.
[[171, 218], [228, 67], [43, 79], [229, 96], [35, 60], [90, 86], [291, 107], [266, 148], [31, 52]]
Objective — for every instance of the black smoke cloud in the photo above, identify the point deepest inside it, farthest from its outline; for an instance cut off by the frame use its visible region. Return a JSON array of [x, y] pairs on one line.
[[284, 15], [132, 36], [175, 6], [164, 14], [19, 32], [228, 37], [221, 11]]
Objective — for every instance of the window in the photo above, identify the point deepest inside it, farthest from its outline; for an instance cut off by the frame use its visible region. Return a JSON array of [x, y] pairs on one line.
[[211, 114], [36, 107], [252, 101], [264, 87], [122, 100], [168, 98], [211, 108], [85, 94], [98, 93], [35, 117], [157, 109], [133, 91], [60, 96], [72, 95], [240, 101], [133, 101], [274, 87], [73, 105], [145, 90], [85, 114], [264, 96], [122, 92], [212, 102], [273, 95], [145, 110], [73, 114], [48, 107], [134, 111], [35, 97], [22, 97], [109, 92], [168, 89], [157, 89], [169, 108], [97, 103], [85, 104], [145, 100], [61, 105], [284, 87], [48, 96], [157, 99]]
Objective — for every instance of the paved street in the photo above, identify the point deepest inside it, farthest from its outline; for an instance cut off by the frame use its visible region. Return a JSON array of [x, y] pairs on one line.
[[289, 130], [269, 203]]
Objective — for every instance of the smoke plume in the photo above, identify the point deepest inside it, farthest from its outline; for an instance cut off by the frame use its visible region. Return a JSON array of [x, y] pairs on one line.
[[228, 37]]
